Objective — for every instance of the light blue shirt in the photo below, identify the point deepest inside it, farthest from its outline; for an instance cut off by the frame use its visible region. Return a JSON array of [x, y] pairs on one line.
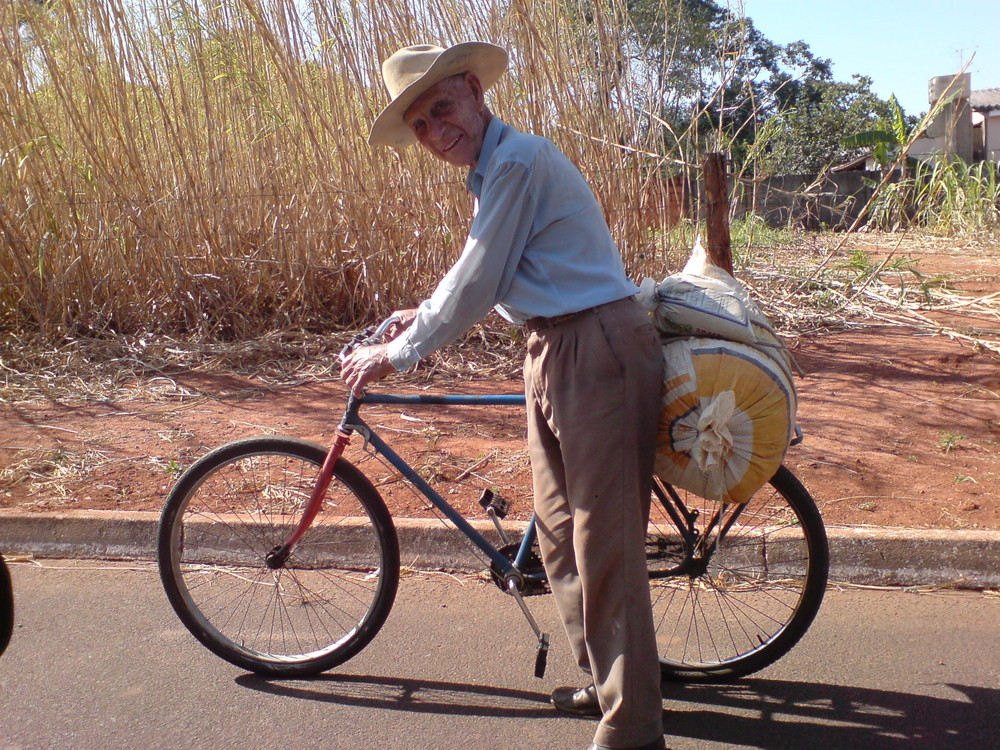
[[539, 246]]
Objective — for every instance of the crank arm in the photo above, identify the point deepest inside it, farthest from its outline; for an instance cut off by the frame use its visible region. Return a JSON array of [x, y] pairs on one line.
[[541, 657]]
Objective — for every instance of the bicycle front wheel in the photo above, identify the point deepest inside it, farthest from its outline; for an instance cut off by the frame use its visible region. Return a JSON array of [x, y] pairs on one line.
[[734, 587], [318, 609], [6, 606]]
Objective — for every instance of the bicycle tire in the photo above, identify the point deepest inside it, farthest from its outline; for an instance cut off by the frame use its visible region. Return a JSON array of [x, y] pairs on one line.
[[744, 606], [328, 600], [6, 606]]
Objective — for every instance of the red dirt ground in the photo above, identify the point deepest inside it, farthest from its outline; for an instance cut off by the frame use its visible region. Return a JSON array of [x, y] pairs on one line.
[[901, 429]]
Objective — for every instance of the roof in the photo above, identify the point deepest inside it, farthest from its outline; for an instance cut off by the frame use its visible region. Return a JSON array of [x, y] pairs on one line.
[[985, 99], [854, 165]]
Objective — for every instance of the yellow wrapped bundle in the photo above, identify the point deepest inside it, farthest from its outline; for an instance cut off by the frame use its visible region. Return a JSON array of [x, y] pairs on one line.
[[726, 419]]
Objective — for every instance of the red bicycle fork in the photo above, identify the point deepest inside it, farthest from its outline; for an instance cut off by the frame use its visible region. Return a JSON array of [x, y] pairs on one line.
[[277, 557]]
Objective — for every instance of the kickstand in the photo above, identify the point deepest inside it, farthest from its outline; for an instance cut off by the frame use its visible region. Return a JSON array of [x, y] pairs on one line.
[[541, 657]]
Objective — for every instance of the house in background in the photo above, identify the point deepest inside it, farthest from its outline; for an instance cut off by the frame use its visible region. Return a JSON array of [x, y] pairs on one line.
[[967, 126], [985, 105]]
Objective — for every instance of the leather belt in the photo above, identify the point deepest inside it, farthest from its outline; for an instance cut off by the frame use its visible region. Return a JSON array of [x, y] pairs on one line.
[[540, 324]]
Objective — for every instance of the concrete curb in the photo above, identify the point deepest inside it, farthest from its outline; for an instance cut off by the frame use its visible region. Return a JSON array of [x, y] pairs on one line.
[[874, 556]]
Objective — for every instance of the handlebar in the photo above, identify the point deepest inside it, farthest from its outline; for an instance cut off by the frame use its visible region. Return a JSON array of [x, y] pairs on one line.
[[369, 336]]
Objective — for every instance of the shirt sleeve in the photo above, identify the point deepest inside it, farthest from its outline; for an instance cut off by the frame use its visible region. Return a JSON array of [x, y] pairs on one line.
[[483, 273]]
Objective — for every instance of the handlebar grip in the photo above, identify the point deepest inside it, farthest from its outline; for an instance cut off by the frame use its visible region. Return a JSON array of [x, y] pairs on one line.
[[368, 336], [384, 326]]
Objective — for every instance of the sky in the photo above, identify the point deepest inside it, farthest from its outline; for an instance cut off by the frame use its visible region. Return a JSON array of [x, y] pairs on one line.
[[899, 44]]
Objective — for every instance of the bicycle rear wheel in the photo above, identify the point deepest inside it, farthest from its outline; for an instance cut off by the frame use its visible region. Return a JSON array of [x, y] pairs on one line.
[[729, 604], [319, 608]]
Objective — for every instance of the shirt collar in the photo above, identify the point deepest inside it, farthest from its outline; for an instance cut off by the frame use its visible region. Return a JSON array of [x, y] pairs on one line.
[[474, 180]]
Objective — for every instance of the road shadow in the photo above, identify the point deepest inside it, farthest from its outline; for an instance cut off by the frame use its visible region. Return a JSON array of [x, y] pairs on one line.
[[786, 714], [403, 694], [752, 713]]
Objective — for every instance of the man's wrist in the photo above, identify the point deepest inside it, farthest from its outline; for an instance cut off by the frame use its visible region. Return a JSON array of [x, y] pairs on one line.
[[401, 353]]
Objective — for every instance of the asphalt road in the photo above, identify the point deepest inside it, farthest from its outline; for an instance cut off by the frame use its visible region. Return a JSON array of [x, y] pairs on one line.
[[98, 660]]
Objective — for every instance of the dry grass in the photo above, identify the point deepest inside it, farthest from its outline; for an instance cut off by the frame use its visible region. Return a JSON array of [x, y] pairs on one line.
[[145, 366], [802, 285], [47, 473], [189, 186], [171, 166]]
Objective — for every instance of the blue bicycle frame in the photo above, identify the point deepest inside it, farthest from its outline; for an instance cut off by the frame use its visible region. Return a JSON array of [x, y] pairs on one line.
[[353, 423]]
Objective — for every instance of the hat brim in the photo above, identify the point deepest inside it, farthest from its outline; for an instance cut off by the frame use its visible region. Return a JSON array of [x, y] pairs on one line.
[[487, 61]]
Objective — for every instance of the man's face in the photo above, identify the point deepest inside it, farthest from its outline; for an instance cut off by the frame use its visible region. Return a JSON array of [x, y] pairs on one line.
[[450, 119]]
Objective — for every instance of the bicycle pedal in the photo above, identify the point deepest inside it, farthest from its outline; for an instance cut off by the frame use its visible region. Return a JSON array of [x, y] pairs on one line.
[[542, 657], [490, 499]]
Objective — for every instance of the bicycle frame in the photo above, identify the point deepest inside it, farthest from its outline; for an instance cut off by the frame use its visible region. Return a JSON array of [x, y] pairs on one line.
[[352, 423], [512, 570], [514, 576]]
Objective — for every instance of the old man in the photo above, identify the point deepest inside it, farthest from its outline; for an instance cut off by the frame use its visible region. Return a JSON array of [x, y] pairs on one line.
[[540, 252]]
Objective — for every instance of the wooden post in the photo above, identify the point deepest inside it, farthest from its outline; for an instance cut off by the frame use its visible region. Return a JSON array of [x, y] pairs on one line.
[[719, 249]]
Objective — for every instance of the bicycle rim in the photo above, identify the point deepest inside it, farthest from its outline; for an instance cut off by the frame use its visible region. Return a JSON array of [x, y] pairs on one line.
[[732, 609], [317, 610]]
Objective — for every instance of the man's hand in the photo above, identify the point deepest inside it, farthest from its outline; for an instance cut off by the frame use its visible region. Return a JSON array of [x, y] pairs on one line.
[[406, 318], [365, 365]]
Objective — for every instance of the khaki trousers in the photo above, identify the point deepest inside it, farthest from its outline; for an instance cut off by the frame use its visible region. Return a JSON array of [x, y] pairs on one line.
[[593, 384]]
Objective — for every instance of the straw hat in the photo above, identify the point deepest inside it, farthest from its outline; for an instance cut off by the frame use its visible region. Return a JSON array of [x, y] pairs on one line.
[[413, 70]]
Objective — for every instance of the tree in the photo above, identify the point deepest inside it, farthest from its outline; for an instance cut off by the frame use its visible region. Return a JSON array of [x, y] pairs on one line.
[[814, 125], [694, 66], [707, 79]]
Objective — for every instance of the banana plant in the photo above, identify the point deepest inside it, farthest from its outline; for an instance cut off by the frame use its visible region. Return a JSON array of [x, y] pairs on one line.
[[887, 142]]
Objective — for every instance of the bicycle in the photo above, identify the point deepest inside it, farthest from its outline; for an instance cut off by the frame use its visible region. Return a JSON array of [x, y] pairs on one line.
[[282, 558], [6, 606]]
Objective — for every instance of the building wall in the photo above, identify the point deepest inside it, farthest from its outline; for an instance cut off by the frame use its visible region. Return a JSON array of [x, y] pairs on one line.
[[992, 126], [926, 147], [951, 132], [832, 202]]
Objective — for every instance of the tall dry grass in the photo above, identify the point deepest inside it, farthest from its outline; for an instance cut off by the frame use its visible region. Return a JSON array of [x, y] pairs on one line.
[[179, 166]]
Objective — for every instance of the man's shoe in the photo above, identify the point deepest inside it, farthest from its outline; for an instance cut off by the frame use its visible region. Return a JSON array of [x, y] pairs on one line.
[[657, 744], [579, 701]]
